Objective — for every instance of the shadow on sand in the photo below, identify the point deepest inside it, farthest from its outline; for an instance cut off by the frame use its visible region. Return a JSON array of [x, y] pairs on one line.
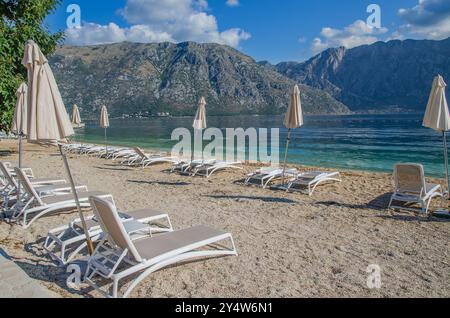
[[114, 168], [164, 183], [44, 272], [379, 203], [5, 153], [253, 198]]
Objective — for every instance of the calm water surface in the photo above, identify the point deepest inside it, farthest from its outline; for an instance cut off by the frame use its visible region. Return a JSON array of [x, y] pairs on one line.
[[360, 142]]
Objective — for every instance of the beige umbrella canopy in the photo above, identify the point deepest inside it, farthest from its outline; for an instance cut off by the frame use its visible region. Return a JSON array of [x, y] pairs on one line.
[[437, 116], [199, 123], [19, 125], [294, 115], [76, 118], [200, 117], [292, 120], [104, 123], [20, 113], [47, 121], [104, 118]]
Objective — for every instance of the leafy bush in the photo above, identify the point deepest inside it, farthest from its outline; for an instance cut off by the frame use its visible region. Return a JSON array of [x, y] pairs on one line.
[[21, 20]]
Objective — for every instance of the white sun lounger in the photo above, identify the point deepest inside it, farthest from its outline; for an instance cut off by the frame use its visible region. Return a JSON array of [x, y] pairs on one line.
[[124, 153], [118, 257], [136, 157], [10, 184], [74, 148], [107, 154], [9, 175], [411, 187], [83, 149], [32, 204], [264, 176], [185, 166], [310, 181], [146, 160], [10, 168], [64, 243], [95, 151], [208, 169]]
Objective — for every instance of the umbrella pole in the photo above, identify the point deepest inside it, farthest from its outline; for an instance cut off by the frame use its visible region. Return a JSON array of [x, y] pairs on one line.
[[286, 154], [201, 138], [106, 144], [20, 160], [20, 150], [77, 201], [446, 163], [193, 146]]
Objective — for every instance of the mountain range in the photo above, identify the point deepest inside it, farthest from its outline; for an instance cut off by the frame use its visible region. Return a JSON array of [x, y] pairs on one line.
[[132, 78], [392, 76]]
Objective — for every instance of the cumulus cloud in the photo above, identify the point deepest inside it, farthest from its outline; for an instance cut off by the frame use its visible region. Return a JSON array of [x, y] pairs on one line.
[[92, 33], [356, 34], [233, 3], [158, 21], [429, 19]]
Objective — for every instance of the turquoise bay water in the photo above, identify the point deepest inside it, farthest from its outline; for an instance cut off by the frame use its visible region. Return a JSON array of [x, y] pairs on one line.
[[359, 142]]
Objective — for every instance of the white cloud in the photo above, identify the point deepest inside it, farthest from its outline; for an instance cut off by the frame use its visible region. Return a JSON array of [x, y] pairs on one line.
[[429, 19], [92, 33], [233, 3], [158, 21], [356, 34]]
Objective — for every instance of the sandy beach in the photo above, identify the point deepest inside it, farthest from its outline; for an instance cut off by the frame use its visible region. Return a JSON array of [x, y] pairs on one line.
[[290, 245]]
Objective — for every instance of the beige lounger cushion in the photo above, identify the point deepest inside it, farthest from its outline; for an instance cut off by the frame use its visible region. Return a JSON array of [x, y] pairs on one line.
[[59, 187], [82, 196], [159, 245], [48, 181], [137, 215], [142, 214]]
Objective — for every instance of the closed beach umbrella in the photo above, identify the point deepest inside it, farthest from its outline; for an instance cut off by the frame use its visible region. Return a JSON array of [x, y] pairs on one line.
[[19, 125], [104, 118], [48, 122], [104, 123], [437, 116], [200, 120], [76, 118], [200, 116], [292, 120]]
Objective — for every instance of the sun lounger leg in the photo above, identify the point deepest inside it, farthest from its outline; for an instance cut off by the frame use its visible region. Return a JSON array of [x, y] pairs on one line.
[[390, 202]]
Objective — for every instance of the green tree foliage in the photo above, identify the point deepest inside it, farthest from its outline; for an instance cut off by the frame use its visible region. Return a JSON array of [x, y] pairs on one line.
[[21, 20]]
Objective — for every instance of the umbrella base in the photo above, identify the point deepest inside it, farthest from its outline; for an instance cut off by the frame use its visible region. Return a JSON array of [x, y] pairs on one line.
[[442, 213]]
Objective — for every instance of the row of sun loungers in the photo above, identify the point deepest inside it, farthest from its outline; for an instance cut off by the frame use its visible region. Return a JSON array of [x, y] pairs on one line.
[[130, 245], [136, 157], [295, 181]]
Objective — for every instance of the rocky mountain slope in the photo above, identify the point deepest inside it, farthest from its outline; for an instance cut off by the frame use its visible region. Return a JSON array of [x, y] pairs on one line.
[[151, 78], [382, 76]]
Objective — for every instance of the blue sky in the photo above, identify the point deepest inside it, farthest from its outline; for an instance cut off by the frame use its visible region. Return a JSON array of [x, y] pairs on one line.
[[274, 30]]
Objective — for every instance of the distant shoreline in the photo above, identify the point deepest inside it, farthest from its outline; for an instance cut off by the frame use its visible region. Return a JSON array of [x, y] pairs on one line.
[[262, 115]]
